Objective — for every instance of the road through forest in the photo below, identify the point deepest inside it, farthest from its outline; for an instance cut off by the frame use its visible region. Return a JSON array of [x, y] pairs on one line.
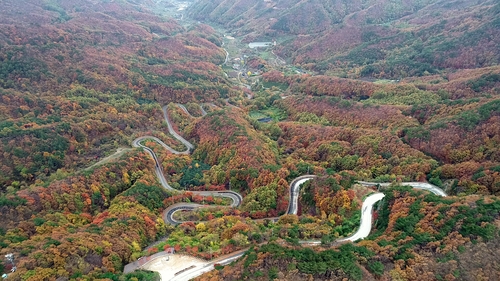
[[362, 232]]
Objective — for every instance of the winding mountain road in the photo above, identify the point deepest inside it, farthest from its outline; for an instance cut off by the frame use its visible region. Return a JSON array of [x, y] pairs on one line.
[[294, 193], [365, 225], [158, 169], [171, 130], [234, 196], [203, 112], [227, 54], [239, 73], [181, 106], [366, 209], [137, 143], [417, 185]]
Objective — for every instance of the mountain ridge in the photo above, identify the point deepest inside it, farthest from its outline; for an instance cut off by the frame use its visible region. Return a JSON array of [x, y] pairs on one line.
[[435, 35]]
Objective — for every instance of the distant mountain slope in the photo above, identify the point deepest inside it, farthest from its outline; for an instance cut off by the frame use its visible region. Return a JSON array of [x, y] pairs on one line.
[[379, 38], [97, 41]]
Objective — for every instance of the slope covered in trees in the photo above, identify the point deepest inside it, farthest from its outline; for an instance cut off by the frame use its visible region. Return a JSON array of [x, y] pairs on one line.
[[376, 38], [89, 224], [80, 79], [419, 236], [455, 122]]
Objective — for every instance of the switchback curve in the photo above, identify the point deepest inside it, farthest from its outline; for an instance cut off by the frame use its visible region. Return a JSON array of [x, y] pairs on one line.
[[181, 106], [366, 209], [234, 196]]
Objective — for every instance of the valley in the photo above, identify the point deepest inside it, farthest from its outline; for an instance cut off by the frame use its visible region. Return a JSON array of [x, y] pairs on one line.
[[258, 140]]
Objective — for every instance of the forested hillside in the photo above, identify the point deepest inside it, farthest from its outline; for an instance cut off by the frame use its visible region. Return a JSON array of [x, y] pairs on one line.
[[375, 38], [79, 78], [129, 128], [419, 237]]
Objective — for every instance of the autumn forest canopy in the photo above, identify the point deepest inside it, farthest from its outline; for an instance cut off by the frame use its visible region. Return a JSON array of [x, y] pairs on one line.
[[379, 91]]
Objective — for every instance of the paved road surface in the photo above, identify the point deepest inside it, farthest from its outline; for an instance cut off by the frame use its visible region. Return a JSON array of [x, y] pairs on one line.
[[418, 185], [294, 193], [203, 112], [174, 133], [365, 225]]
